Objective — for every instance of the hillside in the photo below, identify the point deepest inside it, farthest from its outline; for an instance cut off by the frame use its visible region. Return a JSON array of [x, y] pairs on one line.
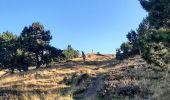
[[100, 78]]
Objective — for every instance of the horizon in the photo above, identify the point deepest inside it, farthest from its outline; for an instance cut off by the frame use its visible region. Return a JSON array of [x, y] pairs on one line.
[[95, 25]]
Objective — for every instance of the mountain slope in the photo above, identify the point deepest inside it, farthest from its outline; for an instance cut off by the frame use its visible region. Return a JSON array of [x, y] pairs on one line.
[[105, 79]]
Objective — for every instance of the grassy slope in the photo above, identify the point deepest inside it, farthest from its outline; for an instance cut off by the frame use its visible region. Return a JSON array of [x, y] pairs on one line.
[[100, 78]]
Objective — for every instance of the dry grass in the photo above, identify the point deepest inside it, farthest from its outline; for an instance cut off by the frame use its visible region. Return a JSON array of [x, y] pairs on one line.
[[2, 73], [153, 85], [73, 80], [46, 83]]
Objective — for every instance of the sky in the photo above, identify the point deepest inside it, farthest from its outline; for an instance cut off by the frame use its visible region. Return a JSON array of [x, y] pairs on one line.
[[98, 25]]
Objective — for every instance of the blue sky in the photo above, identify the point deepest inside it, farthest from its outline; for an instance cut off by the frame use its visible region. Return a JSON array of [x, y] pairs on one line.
[[100, 25]]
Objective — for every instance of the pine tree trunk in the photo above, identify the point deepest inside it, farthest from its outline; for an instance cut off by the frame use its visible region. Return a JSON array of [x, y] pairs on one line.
[[37, 66], [37, 61], [140, 53]]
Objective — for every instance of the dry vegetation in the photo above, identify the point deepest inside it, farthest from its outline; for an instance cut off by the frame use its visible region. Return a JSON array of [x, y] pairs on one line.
[[134, 79], [105, 79]]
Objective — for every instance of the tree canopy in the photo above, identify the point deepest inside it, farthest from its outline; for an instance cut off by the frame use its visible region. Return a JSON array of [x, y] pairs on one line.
[[70, 53], [31, 48], [34, 39], [152, 37]]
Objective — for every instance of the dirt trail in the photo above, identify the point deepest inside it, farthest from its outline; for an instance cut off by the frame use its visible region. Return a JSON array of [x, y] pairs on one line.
[[97, 85]]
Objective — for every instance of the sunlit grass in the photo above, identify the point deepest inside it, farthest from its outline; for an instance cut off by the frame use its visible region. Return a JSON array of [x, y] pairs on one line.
[[47, 83]]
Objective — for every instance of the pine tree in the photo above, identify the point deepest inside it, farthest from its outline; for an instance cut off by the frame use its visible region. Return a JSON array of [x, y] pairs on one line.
[[70, 53], [34, 39], [154, 32], [8, 47]]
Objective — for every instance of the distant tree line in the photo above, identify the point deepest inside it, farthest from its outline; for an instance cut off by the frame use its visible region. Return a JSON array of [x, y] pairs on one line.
[[31, 48], [152, 38]]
